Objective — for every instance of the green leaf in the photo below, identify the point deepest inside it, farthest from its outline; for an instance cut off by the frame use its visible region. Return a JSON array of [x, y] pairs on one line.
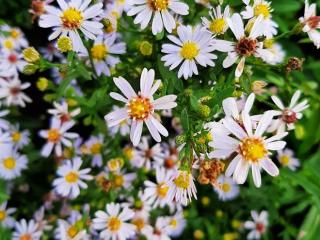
[[185, 120]]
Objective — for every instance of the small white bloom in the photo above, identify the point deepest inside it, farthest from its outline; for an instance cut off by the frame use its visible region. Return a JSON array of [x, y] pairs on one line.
[[226, 188], [258, 226], [70, 178], [6, 220], [287, 159], [104, 53], [261, 8], [26, 230], [113, 222], [11, 63], [161, 12], [176, 224], [57, 136], [218, 23], [68, 231], [62, 111], [94, 145], [244, 46], [140, 107], [19, 138], [287, 116], [182, 187], [311, 23], [12, 92], [70, 18], [277, 54], [252, 148], [191, 48]]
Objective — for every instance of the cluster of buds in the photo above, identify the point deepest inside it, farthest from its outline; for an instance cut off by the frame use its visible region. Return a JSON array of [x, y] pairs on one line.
[[294, 64], [209, 171]]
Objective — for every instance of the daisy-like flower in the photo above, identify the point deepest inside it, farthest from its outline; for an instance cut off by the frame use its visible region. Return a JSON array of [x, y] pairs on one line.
[[62, 111], [160, 230], [38, 7], [176, 224], [160, 11], [57, 136], [182, 187], [94, 145], [123, 180], [73, 16], [277, 54], [19, 138], [218, 23], [123, 128], [191, 48], [113, 223], [16, 35], [140, 107], [26, 230], [258, 226], [311, 23], [68, 231], [288, 116], [104, 53], [50, 51], [11, 62], [70, 178], [144, 154], [252, 148], [244, 46], [226, 188], [6, 220], [12, 92], [287, 159], [261, 8], [156, 194], [11, 163]]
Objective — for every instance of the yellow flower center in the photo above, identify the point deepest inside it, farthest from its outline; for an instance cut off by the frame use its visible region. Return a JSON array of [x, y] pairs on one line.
[[99, 52], [139, 108], [262, 9], [225, 187], [72, 231], [173, 223], [268, 43], [26, 236], [72, 177], [158, 5], [252, 149], [96, 148], [71, 18], [9, 163], [2, 215], [217, 26], [182, 181], [118, 181], [285, 160], [189, 50], [8, 43], [14, 34], [114, 224], [53, 135], [16, 137], [139, 222], [115, 164], [162, 190], [128, 152]]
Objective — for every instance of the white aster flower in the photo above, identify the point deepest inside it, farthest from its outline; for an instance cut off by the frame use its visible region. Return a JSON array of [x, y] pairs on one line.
[[11, 63], [50, 51], [6, 220], [227, 189], [176, 224], [277, 54], [182, 187], [218, 23], [11, 163], [261, 8], [252, 148], [258, 226], [123, 180], [12, 92], [68, 231], [19, 138], [70, 178], [160, 10], [113, 222], [156, 194], [160, 230], [104, 53], [57, 136], [94, 145], [311, 23], [191, 48], [288, 116], [70, 18], [287, 159], [140, 107], [16, 35], [26, 230], [244, 46], [61, 111]]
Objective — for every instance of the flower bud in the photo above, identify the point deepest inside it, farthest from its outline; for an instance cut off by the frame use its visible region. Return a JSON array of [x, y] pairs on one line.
[[180, 139], [294, 64], [204, 111], [31, 55], [146, 48], [64, 44], [198, 234], [42, 83], [257, 87]]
